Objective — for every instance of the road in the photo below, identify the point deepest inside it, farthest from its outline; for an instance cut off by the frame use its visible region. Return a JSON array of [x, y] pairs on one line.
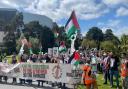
[[9, 86]]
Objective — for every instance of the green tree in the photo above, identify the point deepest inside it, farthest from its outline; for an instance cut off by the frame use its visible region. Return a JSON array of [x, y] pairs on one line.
[[109, 46], [95, 34], [88, 44], [124, 43], [109, 36], [47, 39], [35, 44], [10, 29]]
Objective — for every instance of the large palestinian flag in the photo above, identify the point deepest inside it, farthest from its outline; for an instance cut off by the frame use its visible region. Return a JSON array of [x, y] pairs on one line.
[[72, 26]]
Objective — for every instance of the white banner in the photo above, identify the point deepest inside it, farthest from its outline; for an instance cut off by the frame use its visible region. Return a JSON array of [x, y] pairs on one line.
[[50, 72]]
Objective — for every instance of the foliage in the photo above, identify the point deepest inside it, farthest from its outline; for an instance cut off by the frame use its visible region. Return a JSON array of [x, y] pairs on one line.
[[44, 34], [95, 34], [10, 29], [86, 43], [47, 39], [109, 36], [108, 46], [35, 44], [124, 43]]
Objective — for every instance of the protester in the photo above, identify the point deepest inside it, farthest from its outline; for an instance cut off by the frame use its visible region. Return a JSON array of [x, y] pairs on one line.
[[114, 63], [14, 61], [88, 78], [106, 68], [124, 72]]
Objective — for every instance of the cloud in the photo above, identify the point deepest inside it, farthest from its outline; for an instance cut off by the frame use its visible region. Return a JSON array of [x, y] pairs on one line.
[[122, 11], [116, 26], [58, 9], [14, 3], [112, 3], [110, 23]]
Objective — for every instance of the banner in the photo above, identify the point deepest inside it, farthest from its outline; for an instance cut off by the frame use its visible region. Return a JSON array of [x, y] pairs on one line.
[[49, 72], [50, 51], [10, 70], [55, 51]]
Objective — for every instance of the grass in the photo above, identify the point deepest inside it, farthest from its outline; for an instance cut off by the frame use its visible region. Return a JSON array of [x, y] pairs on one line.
[[100, 82], [10, 59]]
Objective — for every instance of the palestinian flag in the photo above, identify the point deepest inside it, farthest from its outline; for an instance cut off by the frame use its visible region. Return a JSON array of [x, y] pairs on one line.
[[74, 58], [72, 26], [56, 34], [62, 47]]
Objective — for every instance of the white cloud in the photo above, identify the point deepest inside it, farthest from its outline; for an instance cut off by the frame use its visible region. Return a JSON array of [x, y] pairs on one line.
[[109, 23], [122, 11], [55, 9], [114, 2], [116, 26]]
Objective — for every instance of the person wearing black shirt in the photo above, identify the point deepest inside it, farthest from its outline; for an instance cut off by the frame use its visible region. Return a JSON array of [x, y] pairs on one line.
[[114, 63]]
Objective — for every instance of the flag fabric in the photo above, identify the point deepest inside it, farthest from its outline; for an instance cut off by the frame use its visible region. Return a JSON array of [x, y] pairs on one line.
[[30, 51], [75, 58], [56, 34], [62, 47], [72, 26]]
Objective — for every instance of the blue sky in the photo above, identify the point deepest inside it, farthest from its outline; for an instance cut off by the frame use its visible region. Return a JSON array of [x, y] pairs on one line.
[[101, 13]]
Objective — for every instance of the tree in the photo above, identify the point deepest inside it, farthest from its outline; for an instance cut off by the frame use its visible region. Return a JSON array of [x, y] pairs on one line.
[[124, 43], [87, 44], [95, 34], [35, 44], [109, 36], [109, 46], [10, 29], [33, 29], [47, 39]]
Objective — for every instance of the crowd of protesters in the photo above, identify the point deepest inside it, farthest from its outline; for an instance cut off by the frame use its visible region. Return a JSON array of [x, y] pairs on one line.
[[93, 61]]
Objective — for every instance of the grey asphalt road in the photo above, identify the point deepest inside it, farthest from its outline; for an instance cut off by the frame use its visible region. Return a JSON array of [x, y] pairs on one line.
[[10, 86]]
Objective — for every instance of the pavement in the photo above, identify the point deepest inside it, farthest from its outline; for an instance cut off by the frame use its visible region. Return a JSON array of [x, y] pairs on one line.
[[9, 85]]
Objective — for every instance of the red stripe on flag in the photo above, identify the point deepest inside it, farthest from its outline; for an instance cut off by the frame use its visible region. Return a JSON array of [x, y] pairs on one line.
[[74, 19]]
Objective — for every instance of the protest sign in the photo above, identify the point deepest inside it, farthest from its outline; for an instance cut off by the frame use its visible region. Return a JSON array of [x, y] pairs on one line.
[[38, 71], [50, 51], [55, 51]]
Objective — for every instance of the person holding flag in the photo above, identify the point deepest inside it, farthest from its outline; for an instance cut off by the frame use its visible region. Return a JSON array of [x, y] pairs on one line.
[[71, 29]]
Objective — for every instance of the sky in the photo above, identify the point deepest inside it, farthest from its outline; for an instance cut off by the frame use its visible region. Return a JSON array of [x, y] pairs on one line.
[[101, 13]]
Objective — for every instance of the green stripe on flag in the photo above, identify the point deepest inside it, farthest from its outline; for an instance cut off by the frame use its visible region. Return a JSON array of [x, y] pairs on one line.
[[71, 31], [76, 63]]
